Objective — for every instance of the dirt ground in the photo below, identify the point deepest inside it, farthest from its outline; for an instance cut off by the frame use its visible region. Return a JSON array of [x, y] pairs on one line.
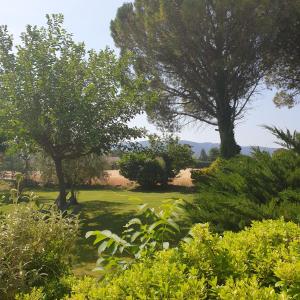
[[114, 178]]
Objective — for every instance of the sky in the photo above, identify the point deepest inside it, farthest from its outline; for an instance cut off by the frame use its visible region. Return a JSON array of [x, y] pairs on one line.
[[89, 21]]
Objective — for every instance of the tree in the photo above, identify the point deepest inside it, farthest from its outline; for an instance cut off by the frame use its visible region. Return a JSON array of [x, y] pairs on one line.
[[204, 56], [79, 171], [69, 101], [213, 154], [285, 51], [203, 155], [157, 164]]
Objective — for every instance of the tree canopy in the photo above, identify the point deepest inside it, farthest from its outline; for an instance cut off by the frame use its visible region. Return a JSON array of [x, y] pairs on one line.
[[285, 51], [156, 164], [204, 56], [67, 100]]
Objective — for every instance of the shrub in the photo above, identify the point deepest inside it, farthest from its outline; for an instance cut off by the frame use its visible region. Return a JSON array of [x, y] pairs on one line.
[[236, 191], [145, 170], [35, 248], [204, 174], [261, 262], [157, 164]]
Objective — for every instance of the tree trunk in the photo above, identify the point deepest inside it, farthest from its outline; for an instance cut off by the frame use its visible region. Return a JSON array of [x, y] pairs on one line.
[[73, 197], [229, 148], [61, 199]]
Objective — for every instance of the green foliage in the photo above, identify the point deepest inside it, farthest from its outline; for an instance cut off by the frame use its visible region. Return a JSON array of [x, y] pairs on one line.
[[77, 172], [158, 163], [203, 155], [35, 248], [68, 101], [141, 237], [286, 138], [204, 174], [260, 262], [191, 51], [213, 154], [248, 188], [162, 278], [284, 53], [139, 167], [35, 294]]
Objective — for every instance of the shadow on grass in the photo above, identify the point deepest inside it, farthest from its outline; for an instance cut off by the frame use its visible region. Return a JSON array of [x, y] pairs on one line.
[[165, 189], [99, 215]]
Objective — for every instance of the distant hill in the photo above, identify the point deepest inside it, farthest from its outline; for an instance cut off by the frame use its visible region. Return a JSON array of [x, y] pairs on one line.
[[197, 147]]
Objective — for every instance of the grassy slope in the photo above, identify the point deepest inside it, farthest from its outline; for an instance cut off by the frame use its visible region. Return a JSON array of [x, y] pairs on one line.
[[107, 209]]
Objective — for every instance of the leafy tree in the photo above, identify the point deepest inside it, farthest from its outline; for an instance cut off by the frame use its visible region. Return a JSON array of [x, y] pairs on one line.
[[157, 164], [205, 57], [213, 154], [285, 51], [203, 155], [79, 171], [82, 171], [69, 101], [175, 155]]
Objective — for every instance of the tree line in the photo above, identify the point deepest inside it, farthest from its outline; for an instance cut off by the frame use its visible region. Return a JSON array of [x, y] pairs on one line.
[[181, 61]]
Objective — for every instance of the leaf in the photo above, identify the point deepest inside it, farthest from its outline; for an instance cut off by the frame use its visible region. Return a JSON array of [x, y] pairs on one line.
[[115, 249], [102, 247], [133, 221], [100, 260], [166, 245], [173, 224], [91, 233], [99, 238], [142, 207], [107, 233], [154, 225], [135, 236], [187, 240]]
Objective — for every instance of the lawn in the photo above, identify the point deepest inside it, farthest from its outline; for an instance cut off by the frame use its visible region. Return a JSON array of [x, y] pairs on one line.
[[108, 209]]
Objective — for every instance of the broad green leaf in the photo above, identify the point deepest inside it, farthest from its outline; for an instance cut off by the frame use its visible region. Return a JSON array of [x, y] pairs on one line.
[[91, 233], [135, 236], [102, 247], [133, 221]]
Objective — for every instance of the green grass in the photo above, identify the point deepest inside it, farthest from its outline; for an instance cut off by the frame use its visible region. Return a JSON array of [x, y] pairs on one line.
[[107, 209]]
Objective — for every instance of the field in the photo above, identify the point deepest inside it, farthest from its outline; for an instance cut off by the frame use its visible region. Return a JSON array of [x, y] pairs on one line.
[[108, 208], [114, 178]]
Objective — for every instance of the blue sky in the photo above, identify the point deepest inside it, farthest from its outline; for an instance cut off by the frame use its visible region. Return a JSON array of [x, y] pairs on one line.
[[89, 21]]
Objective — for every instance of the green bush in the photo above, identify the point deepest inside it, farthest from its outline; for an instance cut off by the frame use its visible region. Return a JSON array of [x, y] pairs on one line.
[[157, 164], [261, 262], [204, 174], [236, 191], [143, 169], [35, 249]]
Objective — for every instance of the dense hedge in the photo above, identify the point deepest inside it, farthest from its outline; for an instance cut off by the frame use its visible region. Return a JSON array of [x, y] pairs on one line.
[[261, 262], [232, 193]]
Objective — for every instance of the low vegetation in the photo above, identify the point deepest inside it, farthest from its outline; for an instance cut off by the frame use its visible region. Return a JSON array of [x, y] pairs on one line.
[[234, 192], [260, 262], [63, 109], [35, 247]]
